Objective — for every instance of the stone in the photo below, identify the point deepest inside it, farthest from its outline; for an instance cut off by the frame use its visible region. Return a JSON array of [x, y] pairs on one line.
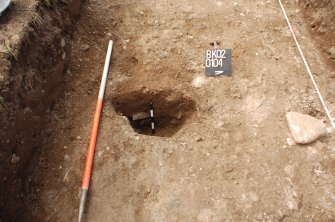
[[199, 82], [62, 42], [179, 115], [85, 47], [141, 115], [15, 159], [218, 124], [304, 128]]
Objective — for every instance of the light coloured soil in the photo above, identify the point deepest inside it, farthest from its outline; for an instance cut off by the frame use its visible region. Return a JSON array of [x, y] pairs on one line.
[[230, 160]]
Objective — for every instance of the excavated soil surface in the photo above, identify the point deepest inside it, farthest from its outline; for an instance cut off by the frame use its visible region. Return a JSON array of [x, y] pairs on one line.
[[221, 151]]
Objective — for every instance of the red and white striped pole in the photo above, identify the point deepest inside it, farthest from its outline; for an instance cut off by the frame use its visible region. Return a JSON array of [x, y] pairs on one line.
[[94, 134]]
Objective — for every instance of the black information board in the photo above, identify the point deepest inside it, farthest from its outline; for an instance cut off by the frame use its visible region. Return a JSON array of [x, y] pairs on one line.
[[218, 62]]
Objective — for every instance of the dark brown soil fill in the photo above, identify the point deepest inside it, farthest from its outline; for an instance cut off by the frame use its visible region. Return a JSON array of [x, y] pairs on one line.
[[171, 109]]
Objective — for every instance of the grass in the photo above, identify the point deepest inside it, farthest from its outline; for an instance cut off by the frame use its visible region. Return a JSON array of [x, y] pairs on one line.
[[37, 20], [10, 51], [2, 102]]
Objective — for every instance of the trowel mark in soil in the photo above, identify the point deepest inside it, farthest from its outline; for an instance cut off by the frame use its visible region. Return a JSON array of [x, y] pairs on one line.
[[171, 109]]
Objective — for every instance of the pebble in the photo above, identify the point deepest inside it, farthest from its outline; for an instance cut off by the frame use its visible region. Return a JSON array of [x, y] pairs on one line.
[[174, 121], [62, 43], [78, 137], [15, 159], [66, 157], [218, 124], [85, 47], [179, 115], [199, 82], [63, 55], [310, 98], [140, 115], [100, 153]]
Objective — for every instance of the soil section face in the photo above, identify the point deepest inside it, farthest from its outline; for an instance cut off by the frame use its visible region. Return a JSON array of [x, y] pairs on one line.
[[34, 49]]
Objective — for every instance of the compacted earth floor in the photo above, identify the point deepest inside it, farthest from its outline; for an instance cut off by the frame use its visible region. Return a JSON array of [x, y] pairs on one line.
[[222, 151]]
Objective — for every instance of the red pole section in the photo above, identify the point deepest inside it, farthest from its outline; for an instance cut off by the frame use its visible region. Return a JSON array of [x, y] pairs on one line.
[[94, 134], [91, 146]]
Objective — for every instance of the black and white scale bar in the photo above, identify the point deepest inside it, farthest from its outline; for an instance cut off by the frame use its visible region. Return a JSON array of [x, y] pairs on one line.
[[152, 119]]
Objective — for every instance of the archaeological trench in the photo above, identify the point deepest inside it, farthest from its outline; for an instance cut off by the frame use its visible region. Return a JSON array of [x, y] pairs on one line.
[[220, 152]]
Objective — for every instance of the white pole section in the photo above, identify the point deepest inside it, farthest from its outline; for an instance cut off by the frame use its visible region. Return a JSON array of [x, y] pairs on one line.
[[105, 72]]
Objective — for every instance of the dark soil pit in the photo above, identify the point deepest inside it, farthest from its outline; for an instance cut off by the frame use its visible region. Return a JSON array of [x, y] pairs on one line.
[[171, 110]]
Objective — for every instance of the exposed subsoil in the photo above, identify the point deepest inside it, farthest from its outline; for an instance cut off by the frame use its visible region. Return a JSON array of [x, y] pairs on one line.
[[221, 151]]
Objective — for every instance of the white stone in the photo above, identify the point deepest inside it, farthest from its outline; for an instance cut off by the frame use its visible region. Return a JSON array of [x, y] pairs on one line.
[[199, 82], [218, 124], [141, 115], [304, 128], [62, 43]]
